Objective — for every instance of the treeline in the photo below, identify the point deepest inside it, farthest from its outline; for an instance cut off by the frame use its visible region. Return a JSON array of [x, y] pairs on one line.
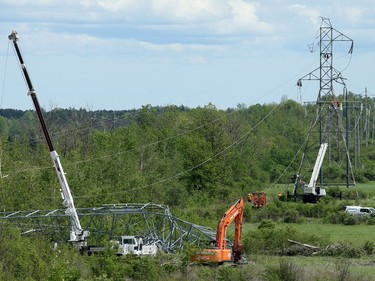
[[196, 160], [170, 155]]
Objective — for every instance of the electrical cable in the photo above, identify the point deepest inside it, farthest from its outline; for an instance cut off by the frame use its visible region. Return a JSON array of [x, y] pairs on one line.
[[4, 77]]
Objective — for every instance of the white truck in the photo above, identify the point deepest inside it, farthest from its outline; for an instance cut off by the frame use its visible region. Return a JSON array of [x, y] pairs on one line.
[[359, 210], [134, 245]]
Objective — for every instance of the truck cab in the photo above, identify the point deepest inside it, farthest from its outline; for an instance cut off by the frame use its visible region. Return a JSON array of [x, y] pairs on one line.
[[134, 245]]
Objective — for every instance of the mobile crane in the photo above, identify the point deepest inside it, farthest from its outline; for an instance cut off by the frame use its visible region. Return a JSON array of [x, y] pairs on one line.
[[77, 234], [221, 253], [312, 193]]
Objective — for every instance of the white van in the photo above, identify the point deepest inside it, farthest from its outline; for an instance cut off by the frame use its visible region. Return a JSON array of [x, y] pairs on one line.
[[359, 210]]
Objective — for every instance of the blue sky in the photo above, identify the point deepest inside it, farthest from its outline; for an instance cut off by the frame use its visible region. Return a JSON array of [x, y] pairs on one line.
[[122, 54]]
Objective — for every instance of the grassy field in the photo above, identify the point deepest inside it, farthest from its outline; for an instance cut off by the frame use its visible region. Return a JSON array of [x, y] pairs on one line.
[[313, 268], [319, 267], [355, 234]]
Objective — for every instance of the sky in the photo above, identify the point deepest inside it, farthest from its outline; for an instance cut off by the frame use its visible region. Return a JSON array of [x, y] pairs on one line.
[[125, 54]]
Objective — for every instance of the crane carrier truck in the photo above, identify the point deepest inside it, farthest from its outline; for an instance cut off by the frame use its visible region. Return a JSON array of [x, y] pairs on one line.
[[128, 244]]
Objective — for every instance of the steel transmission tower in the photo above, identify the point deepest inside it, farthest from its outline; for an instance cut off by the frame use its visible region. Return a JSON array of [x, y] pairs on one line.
[[329, 107], [108, 222]]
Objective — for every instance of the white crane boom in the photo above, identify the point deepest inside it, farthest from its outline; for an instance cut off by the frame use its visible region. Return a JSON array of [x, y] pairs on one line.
[[318, 165], [77, 234]]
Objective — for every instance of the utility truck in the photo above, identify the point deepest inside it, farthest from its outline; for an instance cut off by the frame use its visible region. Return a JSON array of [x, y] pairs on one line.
[[134, 245], [311, 192], [77, 233], [359, 210]]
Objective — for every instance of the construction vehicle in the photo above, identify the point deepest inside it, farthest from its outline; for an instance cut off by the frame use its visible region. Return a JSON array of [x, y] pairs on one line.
[[221, 251], [258, 199], [133, 245], [310, 192], [77, 234]]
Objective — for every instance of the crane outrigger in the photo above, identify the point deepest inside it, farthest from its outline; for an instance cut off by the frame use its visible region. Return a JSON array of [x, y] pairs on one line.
[[77, 233]]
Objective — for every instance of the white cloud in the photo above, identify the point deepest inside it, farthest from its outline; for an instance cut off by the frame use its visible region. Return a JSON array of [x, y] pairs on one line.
[[244, 16], [353, 14], [28, 2], [158, 11], [197, 60], [241, 17], [193, 26], [120, 6], [192, 10], [113, 36], [226, 16], [311, 13], [180, 47]]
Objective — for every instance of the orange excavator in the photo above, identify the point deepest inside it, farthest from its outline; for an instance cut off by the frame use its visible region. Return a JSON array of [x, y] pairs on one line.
[[222, 252]]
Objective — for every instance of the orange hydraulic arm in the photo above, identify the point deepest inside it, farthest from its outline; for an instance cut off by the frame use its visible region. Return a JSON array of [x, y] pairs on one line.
[[235, 212]]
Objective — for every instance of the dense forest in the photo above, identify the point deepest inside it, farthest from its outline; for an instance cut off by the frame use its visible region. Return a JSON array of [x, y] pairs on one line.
[[195, 160], [159, 154]]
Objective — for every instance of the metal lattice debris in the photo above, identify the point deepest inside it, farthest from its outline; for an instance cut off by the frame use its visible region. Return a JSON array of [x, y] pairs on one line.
[[109, 222]]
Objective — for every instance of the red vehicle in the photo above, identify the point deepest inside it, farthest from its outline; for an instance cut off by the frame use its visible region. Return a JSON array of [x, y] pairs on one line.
[[258, 199]]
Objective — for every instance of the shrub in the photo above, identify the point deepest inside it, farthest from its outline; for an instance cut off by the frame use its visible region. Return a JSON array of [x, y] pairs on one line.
[[349, 220], [231, 273], [368, 247], [342, 249], [370, 220], [360, 176], [289, 271], [144, 269], [270, 239], [291, 216], [342, 267], [267, 224], [334, 218]]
